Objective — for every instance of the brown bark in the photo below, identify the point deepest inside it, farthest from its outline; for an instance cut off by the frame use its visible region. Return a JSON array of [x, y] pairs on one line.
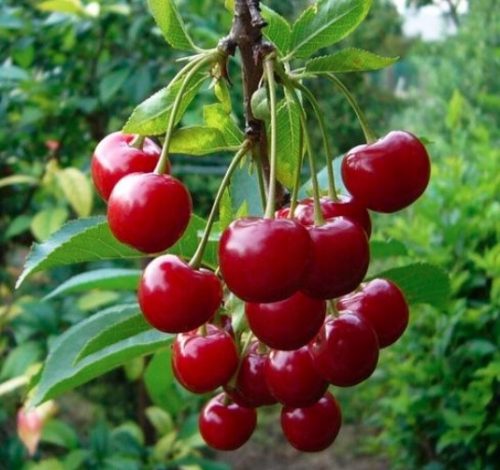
[[246, 36]]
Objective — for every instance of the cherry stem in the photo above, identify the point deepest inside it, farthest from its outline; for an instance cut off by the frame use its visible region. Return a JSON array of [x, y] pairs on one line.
[[261, 178], [203, 330], [318, 214], [198, 256], [138, 141], [262, 348], [191, 69], [244, 348], [271, 196], [333, 308], [332, 190], [298, 170], [369, 134]]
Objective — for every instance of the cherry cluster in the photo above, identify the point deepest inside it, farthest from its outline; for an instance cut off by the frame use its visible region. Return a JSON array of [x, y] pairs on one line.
[[312, 322]]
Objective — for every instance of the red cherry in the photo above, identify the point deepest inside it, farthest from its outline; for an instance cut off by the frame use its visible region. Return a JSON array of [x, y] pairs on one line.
[[149, 212], [203, 363], [293, 379], [387, 175], [382, 303], [226, 426], [314, 428], [251, 388], [345, 352], [115, 158], [341, 255], [345, 206], [264, 260], [176, 298], [288, 324]]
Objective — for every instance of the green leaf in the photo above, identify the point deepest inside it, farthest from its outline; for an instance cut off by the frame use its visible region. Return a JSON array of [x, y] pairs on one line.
[[349, 60], [18, 225], [134, 368], [77, 190], [151, 117], [160, 419], [75, 459], [198, 140], [245, 190], [97, 300], [171, 24], [62, 6], [326, 23], [110, 84], [229, 4], [77, 242], [456, 109], [47, 464], [221, 91], [70, 245], [61, 373], [17, 179], [278, 30], [217, 117], [219, 135], [381, 249], [161, 385], [289, 142], [122, 329], [111, 279], [48, 221], [421, 283], [20, 359], [59, 433]]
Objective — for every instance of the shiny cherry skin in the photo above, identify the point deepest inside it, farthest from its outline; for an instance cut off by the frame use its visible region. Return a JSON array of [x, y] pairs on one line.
[[225, 425], [149, 212], [389, 174], [202, 363], [288, 324], [345, 352], [341, 255], [344, 206], [314, 428], [176, 298], [293, 378], [383, 304], [251, 388], [114, 158], [264, 260]]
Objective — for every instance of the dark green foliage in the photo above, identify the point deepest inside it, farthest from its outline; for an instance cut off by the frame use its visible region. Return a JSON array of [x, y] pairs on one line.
[[436, 405]]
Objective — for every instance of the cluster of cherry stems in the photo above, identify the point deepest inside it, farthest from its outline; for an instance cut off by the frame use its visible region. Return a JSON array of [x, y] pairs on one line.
[[311, 321]]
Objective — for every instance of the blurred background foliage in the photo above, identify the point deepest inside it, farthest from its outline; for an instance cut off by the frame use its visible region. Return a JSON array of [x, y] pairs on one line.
[[71, 72]]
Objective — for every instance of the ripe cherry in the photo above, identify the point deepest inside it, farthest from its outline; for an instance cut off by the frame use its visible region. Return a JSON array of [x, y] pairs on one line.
[[387, 175], [293, 379], [115, 157], [225, 425], [288, 324], [264, 260], [202, 363], [148, 211], [341, 255], [176, 298], [382, 303], [345, 352], [344, 206], [251, 389], [314, 428]]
